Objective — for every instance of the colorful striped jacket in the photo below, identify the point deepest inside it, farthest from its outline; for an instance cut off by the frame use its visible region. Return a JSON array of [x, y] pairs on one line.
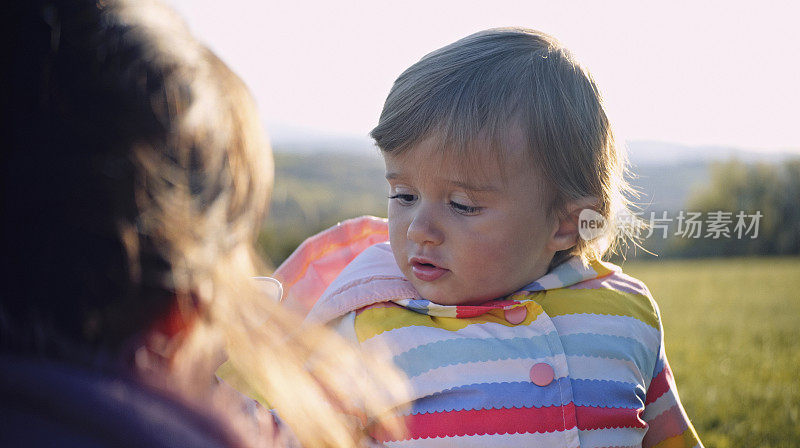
[[576, 358]]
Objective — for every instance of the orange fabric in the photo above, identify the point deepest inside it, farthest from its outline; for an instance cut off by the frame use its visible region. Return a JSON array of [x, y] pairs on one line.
[[319, 259]]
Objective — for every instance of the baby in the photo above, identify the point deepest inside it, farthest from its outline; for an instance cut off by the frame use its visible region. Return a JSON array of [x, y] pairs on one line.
[[510, 329]]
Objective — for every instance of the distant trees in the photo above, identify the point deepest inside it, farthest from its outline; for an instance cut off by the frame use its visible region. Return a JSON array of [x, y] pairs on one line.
[[315, 191], [769, 190]]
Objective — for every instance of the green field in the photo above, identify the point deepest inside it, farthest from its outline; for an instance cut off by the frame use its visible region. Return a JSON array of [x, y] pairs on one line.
[[732, 331]]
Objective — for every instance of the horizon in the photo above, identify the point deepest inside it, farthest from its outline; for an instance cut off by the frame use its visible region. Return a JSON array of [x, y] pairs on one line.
[[642, 154], [309, 141]]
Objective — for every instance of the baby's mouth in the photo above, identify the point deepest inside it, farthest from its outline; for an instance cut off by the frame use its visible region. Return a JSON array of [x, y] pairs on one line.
[[425, 271]]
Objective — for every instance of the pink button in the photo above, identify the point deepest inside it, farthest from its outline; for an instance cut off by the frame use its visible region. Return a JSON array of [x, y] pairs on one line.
[[516, 315], [542, 374]]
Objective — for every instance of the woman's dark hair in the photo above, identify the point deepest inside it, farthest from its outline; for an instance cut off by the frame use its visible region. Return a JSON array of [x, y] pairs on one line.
[[109, 113]]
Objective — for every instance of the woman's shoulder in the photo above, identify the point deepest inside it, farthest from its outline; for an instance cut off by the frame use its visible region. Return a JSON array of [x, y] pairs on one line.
[[46, 403]]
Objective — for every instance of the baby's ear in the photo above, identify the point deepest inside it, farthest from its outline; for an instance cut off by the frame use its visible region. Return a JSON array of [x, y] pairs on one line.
[[565, 235]]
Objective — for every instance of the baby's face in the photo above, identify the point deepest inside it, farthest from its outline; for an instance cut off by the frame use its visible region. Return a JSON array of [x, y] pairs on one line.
[[464, 235]]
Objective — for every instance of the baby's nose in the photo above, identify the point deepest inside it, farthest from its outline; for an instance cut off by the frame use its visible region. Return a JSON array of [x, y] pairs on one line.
[[425, 230]]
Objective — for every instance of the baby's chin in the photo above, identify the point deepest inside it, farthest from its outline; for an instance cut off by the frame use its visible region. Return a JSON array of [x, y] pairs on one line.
[[459, 302], [437, 292]]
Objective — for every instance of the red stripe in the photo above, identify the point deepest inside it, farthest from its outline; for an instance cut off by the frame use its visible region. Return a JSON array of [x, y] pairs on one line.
[[467, 311], [659, 386], [489, 421], [668, 424], [513, 421], [590, 417]]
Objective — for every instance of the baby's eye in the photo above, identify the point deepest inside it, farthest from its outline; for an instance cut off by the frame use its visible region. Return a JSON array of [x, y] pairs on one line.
[[404, 198], [465, 209]]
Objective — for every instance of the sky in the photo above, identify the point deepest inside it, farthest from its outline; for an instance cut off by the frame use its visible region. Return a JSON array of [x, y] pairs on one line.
[[695, 73]]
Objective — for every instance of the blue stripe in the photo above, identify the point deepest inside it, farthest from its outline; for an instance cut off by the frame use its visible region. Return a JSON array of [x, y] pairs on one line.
[[492, 396], [659, 365], [607, 346], [468, 350], [608, 394], [567, 275], [533, 287], [418, 305], [597, 393]]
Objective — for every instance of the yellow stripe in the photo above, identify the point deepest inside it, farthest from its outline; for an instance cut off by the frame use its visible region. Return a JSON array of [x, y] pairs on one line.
[[374, 321], [558, 302], [688, 439], [600, 268], [228, 372]]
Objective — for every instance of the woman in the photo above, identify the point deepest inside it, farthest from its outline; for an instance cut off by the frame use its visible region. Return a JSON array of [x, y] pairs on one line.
[[135, 178]]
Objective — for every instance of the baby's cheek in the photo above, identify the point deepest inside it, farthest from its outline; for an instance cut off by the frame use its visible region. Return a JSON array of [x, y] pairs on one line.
[[491, 250], [500, 266], [487, 262], [397, 232]]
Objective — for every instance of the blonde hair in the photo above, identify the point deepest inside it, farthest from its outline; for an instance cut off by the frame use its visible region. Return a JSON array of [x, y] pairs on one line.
[[168, 180], [480, 87]]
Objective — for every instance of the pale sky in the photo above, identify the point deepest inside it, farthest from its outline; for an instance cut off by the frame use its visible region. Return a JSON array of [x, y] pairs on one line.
[[698, 73]]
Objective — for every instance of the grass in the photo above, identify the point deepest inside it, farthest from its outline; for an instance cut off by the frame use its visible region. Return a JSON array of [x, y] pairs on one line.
[[732, 331]]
